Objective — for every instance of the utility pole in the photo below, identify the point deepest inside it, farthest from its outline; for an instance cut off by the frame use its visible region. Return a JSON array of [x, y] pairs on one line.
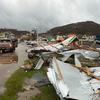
[[35, 34], [37, 37]]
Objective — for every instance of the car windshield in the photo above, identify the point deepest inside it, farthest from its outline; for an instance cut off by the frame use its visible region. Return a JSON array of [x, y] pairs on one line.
[[4, 40]]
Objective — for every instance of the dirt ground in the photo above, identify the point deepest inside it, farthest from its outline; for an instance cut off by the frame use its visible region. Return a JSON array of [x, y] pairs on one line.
[[29, 90], [8, 58]]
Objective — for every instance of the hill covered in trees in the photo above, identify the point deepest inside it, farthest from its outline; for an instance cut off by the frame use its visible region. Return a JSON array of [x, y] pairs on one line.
[[88, 27]]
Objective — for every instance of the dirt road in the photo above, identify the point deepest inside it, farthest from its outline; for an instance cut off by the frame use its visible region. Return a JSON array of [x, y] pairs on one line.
[[7, 69]]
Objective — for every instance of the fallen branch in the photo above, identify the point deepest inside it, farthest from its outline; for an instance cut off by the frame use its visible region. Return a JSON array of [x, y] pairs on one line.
[[88, 72]]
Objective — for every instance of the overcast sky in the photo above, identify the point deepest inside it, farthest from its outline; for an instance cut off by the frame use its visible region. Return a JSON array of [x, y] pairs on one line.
[[45, 14]]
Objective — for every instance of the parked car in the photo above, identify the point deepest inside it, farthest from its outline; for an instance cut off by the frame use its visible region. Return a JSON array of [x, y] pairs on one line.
[[6, 45]]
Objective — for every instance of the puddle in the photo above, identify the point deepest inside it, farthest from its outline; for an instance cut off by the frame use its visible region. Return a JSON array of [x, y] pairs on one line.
[[39, 76], [41, 80]]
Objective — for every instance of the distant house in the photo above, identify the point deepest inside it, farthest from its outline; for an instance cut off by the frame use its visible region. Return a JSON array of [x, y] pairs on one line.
[[88, 37], [97, 38]]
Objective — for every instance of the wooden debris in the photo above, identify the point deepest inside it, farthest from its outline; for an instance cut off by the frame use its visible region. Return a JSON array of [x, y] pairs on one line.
[[88, 72]]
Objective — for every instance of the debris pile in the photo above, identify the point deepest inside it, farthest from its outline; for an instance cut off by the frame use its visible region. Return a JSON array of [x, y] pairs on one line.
[[70, 80]]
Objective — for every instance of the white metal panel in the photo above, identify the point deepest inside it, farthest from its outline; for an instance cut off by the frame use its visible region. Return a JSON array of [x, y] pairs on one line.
[[73, 79], [39, 64]]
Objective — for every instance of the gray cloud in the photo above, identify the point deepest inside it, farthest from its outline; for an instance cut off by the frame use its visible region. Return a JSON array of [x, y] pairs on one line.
[[45, 14]]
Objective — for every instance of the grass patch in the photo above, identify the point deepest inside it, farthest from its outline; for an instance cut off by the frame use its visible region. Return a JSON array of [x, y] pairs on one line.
[[47, 93], [14, 84]]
